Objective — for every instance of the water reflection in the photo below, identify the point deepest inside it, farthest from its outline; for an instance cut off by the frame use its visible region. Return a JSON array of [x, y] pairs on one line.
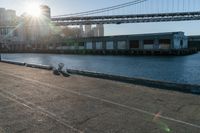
[[182, 69]]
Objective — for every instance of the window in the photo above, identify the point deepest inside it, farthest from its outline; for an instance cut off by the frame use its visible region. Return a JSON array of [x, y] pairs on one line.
[[134, 44], [164, 41], [15, 33], [81, 44], [181, 43], [148, 41]]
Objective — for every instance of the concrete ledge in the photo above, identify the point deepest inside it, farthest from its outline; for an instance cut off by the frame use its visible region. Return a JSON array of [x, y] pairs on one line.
[[47, 67], [186, 88], [13, 62]]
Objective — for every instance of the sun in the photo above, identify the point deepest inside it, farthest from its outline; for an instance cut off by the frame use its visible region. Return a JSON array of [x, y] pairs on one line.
[[33, 9]]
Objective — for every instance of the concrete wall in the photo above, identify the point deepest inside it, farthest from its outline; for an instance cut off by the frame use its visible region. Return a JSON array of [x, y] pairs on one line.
[[180, 41]]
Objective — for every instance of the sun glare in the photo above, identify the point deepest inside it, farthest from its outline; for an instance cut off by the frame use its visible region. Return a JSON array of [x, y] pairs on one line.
[[33, 9]]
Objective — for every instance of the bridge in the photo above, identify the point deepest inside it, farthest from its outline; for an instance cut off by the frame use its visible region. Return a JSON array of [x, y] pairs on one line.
[[144, 11], [119, 19]]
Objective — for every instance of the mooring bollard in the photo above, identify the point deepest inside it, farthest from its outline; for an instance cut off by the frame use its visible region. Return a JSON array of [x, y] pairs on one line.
[[60, 70]]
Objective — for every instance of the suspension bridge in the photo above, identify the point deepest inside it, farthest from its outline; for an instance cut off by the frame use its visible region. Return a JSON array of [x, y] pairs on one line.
[[137, 11]]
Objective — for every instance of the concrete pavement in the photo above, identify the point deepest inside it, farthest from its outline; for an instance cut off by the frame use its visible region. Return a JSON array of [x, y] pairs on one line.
[[35, 100]]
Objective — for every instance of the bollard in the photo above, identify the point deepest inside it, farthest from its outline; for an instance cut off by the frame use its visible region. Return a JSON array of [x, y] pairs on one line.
[[60, 70]]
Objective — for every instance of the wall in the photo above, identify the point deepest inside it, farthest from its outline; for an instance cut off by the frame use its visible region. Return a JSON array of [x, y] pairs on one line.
[[180, 41]]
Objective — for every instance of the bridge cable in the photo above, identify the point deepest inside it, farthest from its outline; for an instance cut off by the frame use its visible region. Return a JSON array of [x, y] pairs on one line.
[[104, 9]]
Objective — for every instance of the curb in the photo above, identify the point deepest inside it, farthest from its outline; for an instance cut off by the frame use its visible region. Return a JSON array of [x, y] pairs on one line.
[[13, 62], [186, 88], [46, 67]]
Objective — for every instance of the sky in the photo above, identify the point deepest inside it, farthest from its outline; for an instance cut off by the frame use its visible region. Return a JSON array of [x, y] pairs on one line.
[[60, 7]]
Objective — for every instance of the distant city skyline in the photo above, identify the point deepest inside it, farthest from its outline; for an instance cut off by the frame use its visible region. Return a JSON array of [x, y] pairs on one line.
[[59, 7]]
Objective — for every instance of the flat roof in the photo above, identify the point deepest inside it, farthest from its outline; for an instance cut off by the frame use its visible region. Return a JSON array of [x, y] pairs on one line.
[[137, 35]]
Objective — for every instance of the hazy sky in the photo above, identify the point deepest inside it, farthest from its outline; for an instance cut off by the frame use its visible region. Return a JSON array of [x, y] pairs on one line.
[[59, 7]]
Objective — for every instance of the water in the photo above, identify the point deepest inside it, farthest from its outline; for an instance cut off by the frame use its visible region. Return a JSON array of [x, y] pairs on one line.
[[180, 69]]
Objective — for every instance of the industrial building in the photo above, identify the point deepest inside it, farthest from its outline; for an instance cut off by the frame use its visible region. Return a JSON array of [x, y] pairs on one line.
[[154, 41], [194, 42]]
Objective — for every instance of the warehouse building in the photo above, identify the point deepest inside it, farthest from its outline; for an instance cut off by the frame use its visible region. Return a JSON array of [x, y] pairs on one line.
[[154, 41], [194, 41]]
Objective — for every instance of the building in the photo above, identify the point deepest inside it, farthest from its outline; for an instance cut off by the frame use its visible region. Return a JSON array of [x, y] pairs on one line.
[[7, 17], [46, 11], [37, 30], [194, 41], [154, 41], [8, 32], [81, 31], [88, 31], [94, 31], [24, 32], [99, 30]]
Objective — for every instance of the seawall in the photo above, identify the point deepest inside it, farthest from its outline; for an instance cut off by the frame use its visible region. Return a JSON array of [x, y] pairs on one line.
[[186, 88], [177, 52]]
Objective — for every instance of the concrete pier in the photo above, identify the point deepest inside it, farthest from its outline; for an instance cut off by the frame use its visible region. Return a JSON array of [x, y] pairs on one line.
[[35, 100]]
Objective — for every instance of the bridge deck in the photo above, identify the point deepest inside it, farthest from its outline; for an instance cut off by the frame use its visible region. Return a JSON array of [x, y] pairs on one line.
[[118, 19], [33, 100]]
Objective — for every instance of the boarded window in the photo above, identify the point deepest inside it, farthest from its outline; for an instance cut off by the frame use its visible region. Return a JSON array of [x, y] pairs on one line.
[[81, 44], [164, 41], [134, 44], [148, 41]]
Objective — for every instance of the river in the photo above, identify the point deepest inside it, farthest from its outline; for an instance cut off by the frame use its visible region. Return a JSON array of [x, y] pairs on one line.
[[180, 69]]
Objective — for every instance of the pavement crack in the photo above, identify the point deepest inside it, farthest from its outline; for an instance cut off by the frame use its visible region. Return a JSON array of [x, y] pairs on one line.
[[180, 108], [100, 99], [90, 118]]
